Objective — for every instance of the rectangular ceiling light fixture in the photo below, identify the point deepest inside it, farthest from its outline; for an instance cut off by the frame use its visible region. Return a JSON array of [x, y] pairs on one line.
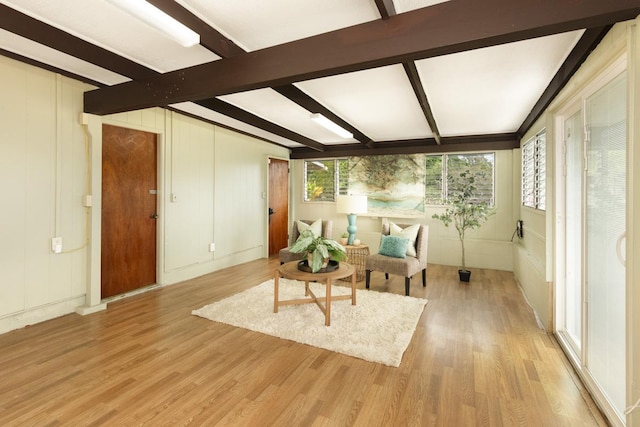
[[159, 20], [323, 121]]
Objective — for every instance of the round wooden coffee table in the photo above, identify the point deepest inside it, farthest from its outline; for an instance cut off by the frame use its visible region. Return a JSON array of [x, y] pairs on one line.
[[290, 271]]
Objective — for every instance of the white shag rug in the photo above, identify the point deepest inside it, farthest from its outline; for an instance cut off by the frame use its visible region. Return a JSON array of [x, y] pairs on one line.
[[378, 328]]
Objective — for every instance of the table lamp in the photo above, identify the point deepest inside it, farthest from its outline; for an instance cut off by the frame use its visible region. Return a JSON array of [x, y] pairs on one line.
[[351, 205]]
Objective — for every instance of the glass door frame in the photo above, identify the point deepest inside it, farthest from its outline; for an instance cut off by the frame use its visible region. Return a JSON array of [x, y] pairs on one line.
[[575, 353], [578, 359]]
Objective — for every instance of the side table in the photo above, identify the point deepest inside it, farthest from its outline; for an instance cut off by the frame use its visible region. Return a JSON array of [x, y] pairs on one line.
[[357, 256]]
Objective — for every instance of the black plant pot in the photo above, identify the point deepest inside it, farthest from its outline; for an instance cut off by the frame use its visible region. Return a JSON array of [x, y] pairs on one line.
[[465, 275], [331, 266]]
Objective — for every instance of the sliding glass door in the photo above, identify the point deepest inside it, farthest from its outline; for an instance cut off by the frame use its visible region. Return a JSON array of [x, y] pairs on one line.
[[591, 273], [606, 197]]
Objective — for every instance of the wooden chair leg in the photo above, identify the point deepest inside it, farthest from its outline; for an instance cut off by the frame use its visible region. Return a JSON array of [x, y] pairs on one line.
[[407, 282], [424, 277], [367, 278]]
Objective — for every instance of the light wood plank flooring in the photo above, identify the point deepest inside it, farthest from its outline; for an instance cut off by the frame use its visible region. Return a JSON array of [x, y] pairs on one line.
[[476, 358]]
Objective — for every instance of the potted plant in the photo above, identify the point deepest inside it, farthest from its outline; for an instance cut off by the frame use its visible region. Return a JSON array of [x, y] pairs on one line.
[[344, 238], [465, 212], [318, 250]]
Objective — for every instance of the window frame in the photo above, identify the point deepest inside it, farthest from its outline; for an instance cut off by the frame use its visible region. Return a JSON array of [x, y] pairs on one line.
[[444, 182], [533, 184], [337, 189]]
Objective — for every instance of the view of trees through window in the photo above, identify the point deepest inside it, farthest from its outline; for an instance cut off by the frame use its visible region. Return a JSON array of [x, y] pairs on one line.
[[324, 179], [480, 166], [322, 183]]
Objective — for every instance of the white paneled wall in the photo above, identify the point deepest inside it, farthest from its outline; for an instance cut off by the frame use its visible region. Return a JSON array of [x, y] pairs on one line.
[[241, 203], [43, 171], [218, 178], [189, 193]]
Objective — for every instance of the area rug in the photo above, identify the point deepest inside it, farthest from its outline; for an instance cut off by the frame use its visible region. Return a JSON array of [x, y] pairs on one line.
[[378, 328]]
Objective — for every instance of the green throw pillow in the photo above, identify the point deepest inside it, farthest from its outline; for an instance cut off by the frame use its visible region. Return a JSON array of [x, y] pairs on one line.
[[393, 246]]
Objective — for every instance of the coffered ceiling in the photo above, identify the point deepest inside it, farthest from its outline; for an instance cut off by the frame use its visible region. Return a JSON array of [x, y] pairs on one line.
[[401, 75]]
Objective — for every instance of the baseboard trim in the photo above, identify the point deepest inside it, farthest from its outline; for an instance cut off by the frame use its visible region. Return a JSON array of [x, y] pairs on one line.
[[86, 309], [40, 314]]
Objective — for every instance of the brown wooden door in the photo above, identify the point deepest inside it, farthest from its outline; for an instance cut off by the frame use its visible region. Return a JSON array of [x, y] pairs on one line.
[[278, 205], [129, 179]]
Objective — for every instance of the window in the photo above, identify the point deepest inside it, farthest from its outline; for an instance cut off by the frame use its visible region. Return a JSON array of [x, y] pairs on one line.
[[480, 165], [322, 182], [534, 169], [324, 179]]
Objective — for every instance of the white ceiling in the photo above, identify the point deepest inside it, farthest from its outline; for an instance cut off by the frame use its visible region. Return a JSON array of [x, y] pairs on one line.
[[478, 92], [379, 100]]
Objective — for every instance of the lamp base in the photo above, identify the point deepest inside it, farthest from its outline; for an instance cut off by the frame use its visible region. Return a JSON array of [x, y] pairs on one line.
[[351, 228]]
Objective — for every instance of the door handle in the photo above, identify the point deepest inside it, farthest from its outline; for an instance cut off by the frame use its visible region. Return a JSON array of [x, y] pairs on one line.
[[153, 216], [622, 237], [271, 211]]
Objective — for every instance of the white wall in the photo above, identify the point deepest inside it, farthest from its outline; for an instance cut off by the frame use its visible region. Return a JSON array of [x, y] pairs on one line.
[[487, 247], [43, 171], [530, 252], [219, 179], [534, 255]]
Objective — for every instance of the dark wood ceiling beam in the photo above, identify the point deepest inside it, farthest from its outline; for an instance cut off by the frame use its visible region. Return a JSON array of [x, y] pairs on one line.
[[449, 27], [308, 103], [507, 141], [210, 38], [47, 35], [59, 40], [386, 8], [418, 89], [589, 40], [234, 112], [225, 48]]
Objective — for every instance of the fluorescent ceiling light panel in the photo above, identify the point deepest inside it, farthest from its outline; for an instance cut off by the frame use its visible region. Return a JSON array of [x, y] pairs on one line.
[[159, 20], [323, 121]]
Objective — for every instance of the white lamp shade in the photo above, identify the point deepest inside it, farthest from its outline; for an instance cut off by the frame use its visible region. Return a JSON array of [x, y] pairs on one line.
[[351, 204]]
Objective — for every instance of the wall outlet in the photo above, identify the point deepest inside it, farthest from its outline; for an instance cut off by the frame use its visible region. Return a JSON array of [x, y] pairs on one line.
[[212, 247], [173, 197], [56, 245]]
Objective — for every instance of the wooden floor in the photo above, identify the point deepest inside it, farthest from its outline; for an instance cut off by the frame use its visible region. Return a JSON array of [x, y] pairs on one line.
[[476, 358]]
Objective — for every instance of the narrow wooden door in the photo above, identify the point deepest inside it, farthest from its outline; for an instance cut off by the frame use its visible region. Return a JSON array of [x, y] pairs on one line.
[[129, 179], [278, 205]]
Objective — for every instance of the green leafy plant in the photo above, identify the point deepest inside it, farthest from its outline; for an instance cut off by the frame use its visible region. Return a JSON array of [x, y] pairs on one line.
[[463, 210], [320, 248]]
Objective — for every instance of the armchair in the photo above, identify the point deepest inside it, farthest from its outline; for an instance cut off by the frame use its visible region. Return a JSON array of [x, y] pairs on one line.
[[407, 266], [286, 255]]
